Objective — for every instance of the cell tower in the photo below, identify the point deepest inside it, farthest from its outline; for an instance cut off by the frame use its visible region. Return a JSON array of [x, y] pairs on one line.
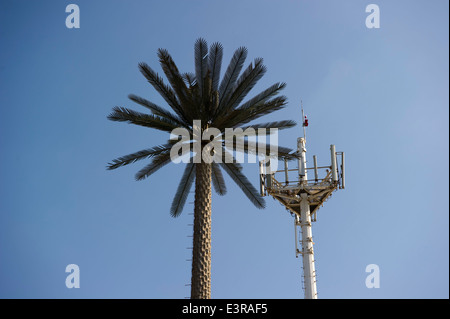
[[302, 197]]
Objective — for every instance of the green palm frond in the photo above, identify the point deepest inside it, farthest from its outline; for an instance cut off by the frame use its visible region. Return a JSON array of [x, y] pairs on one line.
[[183, 190], [263, 96], [279, 125], [206, 97], [134, 157], [232, 73], [255, 148], [201, 62], [157, 162], [155, 109], [244, 184], [215, 64], [218, 180], [177, 82], [244, 84], [194, 96], [164, 90], [242, 116], [170, 69], [259, 100], [122, 114], [189, 79]]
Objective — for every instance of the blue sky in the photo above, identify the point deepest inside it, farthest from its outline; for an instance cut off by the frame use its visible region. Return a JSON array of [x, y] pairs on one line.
[[380, 95]]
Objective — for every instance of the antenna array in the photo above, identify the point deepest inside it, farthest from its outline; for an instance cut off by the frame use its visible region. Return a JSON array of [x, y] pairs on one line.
[[303, 197]]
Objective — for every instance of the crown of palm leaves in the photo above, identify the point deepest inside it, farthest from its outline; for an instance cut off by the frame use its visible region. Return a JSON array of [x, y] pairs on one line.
[[219, 104]]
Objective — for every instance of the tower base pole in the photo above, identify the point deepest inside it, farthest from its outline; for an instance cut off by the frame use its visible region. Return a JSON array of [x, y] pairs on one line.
[[309, 271]]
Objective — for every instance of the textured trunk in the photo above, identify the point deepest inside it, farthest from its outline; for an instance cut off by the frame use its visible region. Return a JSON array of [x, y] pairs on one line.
[[201, 253]]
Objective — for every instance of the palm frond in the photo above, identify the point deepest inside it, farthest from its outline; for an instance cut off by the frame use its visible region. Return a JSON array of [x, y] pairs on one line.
[[157, 162], [169, 67], [215, 63], [194, 96], [201, 61], [189, 79], [183, 190], [134, 157], [227, 157], [206, 100], [232, 72], [258, 100], [260, 149], [218, 180], [176, 81], [279, 125], [122, 114], [244, 84], [215, 99], [164, 90], [264, 95], [244, 184], [242, 116], [155, 109]]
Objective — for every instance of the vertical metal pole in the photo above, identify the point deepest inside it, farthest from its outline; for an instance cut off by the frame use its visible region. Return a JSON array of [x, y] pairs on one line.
[[316, 175], [262, 190], [334, 173], [309, 270], [296, 223], [301, 150], [268, 175], [286, 175], [299, 155]]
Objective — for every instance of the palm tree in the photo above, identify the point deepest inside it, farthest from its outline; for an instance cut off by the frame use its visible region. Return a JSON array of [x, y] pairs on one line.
[[200, 96]]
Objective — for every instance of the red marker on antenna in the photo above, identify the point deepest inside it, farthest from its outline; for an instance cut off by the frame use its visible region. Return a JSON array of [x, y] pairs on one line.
[[305, 121]]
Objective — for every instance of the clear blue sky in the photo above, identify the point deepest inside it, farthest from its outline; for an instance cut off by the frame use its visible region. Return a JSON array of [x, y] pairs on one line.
[[380, 95]]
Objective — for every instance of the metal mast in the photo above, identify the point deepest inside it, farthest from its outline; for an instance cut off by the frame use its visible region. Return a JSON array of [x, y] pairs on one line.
[[302, 197], [304, 221]]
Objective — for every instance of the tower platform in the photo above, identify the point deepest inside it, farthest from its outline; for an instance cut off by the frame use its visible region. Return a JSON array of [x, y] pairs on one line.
[[303, 197]]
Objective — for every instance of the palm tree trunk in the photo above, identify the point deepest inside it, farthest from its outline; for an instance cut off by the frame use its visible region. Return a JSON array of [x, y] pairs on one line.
[[201, 253]]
